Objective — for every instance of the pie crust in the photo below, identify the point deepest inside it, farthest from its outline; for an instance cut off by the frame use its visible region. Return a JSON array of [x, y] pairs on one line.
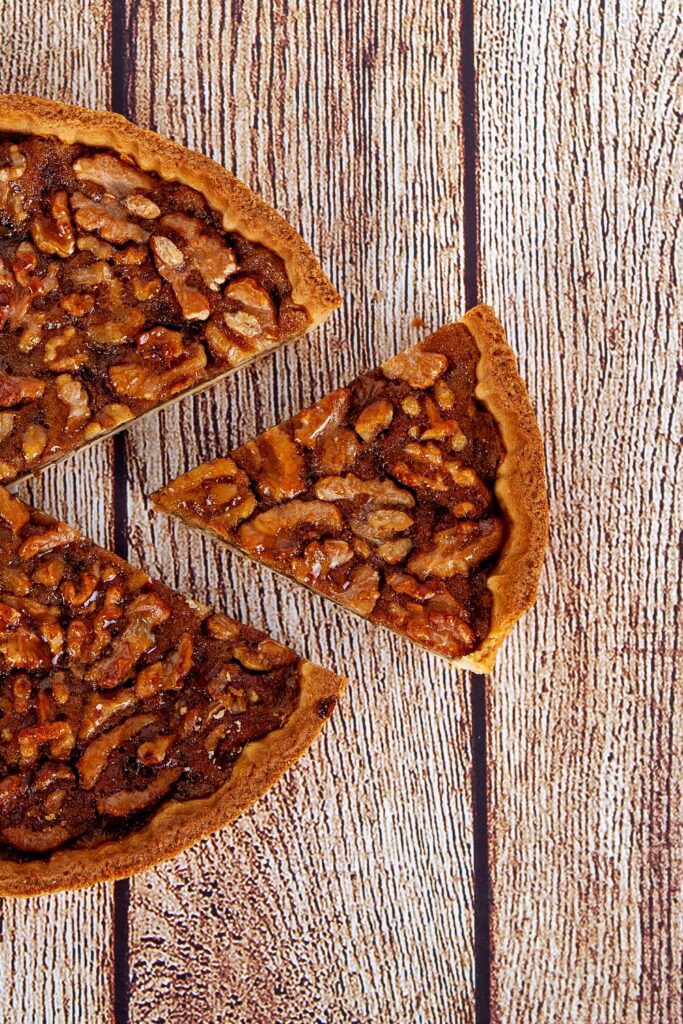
[[202, 344], [434, 523], [173, 824]]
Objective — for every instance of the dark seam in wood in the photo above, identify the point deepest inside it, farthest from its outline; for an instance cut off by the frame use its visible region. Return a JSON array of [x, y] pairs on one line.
[[119, 103], [480, 850]]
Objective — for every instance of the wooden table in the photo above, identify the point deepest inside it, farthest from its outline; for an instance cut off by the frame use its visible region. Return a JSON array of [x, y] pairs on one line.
[[528, 154]]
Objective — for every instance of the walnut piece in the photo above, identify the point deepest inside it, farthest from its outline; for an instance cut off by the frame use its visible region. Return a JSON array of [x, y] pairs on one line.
[[457, 549], [171, 264], [55, 233], [116, 177], [16, 390], [204, 247], [72, 393], [374, 418], [275, 463], [94, 758], [282, 529], [418, 368], [106, 218], [351, 488]]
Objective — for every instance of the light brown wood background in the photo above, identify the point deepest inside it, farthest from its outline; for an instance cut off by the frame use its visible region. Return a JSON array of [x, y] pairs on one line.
[[346, 895]]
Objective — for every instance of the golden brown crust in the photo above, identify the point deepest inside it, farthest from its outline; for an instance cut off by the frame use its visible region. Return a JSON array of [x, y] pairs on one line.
[[178, 825], [520, 485], [241, 209]]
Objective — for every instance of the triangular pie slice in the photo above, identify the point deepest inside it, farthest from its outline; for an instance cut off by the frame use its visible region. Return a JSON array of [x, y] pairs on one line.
[[132, 720], [415, 496], [131, 271]]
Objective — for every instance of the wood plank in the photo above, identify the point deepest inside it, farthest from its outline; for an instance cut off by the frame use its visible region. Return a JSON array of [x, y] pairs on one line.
[[56, 951], [346, 894], [580, 171]]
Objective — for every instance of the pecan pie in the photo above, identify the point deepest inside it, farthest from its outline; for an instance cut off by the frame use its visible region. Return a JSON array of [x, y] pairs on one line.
[[132, 721], [415, 496], [131, 271]]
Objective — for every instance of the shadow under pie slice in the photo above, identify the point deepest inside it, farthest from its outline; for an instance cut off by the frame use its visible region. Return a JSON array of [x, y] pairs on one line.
[[414, 496], [132, 271], [133, 721]]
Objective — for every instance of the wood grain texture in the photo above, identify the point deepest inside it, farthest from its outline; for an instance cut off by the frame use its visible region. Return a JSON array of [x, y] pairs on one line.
[[580, 176], [56, 951], [346, 894]]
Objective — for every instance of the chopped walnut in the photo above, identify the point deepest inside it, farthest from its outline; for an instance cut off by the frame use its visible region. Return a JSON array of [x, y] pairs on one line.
[[245, 324], [167, 674], [141, 206], [458, 549], [155, 751], [58, 735], [374, 418], [91, 243], [282, 528], [128, 802], [106, 218], [33, 442], [337, 450], [49, 539], [319, 558], [135, 380], [361, 591], [418, 368], [93, 761], [16, 166], [108, 418], [352, 488], [266, 655], [211, 257], [77, 304], [276, 465], [17, 390], [55, 233], [6, 424], [72, 393], [253, 297], [171, 264], [116, 177]]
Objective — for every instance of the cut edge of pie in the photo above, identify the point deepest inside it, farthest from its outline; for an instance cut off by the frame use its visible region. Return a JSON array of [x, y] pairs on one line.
[[179, 825], [241, 209], [519, 487]]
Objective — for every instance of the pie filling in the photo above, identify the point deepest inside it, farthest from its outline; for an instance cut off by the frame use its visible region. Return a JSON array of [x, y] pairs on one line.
[[116, 693], [118, 290], [380, 496]]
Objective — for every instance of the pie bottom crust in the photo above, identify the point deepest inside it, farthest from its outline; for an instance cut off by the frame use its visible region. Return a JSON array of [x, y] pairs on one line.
[[177, 825]]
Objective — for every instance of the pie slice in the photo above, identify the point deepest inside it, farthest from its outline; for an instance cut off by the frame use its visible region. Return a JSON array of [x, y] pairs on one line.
[[415, 496], [133, 722], [131, 271]]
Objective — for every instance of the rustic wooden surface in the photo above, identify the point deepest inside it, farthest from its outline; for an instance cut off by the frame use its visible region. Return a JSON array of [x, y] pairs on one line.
[[580, 149], [346, 895]]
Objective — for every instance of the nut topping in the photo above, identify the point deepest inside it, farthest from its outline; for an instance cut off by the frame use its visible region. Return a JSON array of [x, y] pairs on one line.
[[55, 233], [116, 177], [418, 368], [102, 256], [116, 693], [374, 419], [380, 496]]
